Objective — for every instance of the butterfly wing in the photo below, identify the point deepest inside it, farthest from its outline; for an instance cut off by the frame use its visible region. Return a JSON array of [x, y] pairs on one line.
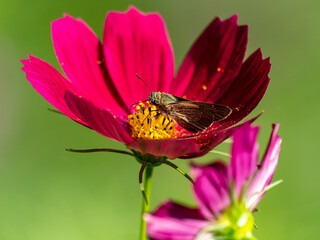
[[196, 116]]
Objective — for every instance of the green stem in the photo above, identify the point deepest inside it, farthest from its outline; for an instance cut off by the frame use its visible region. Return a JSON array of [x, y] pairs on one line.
[[145, 205]]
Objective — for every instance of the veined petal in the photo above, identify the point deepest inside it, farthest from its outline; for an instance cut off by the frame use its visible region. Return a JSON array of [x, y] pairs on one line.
[[211, 138], [211, 188], [246, 91], [137, 43], [244, 156], [265, 173], [172, 221], [213, 62], [100, 120], [47, 81], [80, 55]]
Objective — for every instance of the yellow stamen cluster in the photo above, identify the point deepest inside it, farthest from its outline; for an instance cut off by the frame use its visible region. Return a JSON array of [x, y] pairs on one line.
[[148, 123]]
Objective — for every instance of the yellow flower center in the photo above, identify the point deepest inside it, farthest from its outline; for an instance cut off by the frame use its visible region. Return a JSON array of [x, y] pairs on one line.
[[148, 123], [238, 223], [235, 223]]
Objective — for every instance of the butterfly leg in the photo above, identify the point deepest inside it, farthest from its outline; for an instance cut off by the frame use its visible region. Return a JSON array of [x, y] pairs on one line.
[[147, 117], [158, 113], [155, 117], [169, 122], [136, 104]]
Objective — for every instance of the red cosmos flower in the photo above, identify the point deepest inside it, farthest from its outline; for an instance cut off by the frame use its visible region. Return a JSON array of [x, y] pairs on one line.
[[102, 82]]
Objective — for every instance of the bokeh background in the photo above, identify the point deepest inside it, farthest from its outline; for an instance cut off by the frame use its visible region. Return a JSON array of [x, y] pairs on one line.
[[48, 193]]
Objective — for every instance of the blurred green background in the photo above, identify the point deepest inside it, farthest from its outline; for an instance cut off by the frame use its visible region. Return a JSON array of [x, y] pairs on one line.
[[48, 193]]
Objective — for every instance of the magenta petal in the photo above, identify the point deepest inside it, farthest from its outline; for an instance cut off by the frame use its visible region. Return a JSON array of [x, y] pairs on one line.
[[172, 221], [171, 148], [247, 90], [211, 188], [190, 147], [244, 157], [98, 119], [137, 43], [78, 50], [210, 139], [213, 61], [47, 81], [265, 173], [181, 147]]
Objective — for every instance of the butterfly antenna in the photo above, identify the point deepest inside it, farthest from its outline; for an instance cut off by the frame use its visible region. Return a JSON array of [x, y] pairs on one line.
[[144, 82], [179, 170], [143, 166]]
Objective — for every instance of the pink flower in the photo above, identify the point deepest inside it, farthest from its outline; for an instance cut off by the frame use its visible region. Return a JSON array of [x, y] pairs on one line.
[[102, 82], [226, 195]]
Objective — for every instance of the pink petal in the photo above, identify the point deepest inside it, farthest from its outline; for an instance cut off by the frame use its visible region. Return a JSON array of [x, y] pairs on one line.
[[213, 61], [190, 147], [265, 173], [100, 120], [244, 158], [211, 188], [79, 52], [137, 43], [210, 139], [172, 221], [181, 147], [247, 90], [47, 81], [171, 148]]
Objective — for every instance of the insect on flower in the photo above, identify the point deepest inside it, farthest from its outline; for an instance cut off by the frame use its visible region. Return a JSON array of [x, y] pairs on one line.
[[192, 116], [100, 83]]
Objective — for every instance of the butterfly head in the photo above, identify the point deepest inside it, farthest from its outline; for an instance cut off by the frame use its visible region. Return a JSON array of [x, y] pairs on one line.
[[155, 98]]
